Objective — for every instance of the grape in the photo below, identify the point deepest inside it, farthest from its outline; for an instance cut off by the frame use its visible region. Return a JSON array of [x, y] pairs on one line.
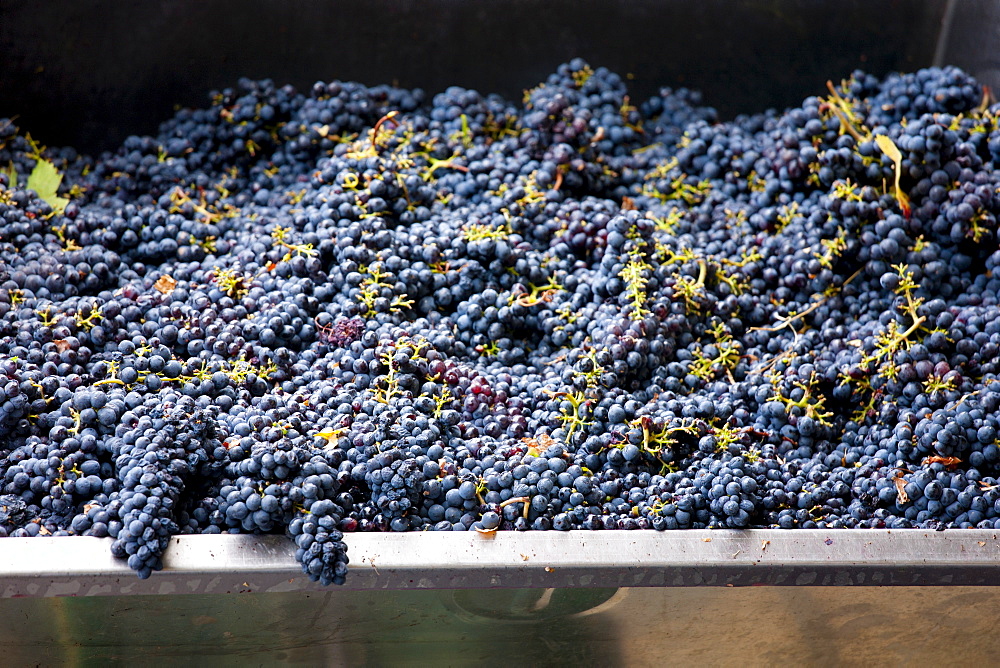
[[364, 308]]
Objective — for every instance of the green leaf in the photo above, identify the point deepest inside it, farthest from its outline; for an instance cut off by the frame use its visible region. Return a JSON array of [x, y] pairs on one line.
[[11, 173], [45, 180]]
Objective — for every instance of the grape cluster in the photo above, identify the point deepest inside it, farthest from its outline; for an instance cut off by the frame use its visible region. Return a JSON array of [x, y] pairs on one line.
[[356, 310], [168, 448]]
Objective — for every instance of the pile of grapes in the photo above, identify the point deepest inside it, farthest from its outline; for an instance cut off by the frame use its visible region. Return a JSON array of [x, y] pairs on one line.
[[356, 309]]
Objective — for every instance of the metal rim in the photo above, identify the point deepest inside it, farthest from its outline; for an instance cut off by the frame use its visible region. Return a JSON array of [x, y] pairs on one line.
[[81, 566]]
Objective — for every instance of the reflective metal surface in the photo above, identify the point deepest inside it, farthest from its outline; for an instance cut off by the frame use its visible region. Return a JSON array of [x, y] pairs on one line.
[[718, 626], [204, 564], [637, 598], [537, 598]]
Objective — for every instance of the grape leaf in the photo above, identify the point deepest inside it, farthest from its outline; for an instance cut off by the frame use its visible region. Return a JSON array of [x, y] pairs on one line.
[[45, 180], [890, 149], [165, 284], [11, 173]]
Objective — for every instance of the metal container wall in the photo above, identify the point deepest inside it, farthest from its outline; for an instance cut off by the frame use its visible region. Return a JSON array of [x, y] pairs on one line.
[[85, 73], [761, 626], [639, 598]]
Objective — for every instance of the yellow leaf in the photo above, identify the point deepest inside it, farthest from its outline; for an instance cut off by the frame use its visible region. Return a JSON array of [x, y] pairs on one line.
[[889, 148]]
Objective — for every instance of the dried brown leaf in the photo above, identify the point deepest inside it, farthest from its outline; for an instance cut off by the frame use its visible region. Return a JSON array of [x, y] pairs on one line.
[[165, 284], [900, 490], [949, 462]]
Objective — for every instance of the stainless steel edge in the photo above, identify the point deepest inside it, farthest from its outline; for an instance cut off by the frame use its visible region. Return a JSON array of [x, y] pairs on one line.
[[205, 564]]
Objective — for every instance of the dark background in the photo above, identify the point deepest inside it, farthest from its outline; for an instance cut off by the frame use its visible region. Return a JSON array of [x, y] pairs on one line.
[[87, 73]]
